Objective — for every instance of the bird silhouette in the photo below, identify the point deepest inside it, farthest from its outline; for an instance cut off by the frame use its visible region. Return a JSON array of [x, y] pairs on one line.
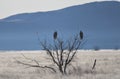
[[55, 35], [81, 35]]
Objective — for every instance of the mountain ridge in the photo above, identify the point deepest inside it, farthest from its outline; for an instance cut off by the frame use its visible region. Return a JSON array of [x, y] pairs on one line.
[[74, 6], [98, 20]]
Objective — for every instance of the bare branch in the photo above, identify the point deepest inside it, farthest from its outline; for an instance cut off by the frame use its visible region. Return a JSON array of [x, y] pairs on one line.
[[30, 59], [94, 64], [50, 53], [56, 49], [30, 65]]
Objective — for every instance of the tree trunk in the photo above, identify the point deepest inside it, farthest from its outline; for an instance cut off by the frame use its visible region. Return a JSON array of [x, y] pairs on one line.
[[61, 70], [65, 69]]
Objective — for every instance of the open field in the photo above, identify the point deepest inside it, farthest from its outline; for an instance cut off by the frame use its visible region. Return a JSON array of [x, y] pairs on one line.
[[107, 65]]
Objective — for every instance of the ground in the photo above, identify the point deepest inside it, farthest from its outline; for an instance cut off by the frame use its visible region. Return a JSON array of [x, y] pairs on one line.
[[107, 65]]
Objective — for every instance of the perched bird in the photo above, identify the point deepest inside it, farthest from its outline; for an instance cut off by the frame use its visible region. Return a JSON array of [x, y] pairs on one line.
[[55, 35], [81, 35]]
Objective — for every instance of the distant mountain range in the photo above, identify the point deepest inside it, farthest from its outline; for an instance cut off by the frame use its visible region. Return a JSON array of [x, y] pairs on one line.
[[100, 22]]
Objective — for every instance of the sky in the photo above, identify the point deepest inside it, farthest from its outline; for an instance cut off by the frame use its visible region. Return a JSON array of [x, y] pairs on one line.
[[11, 7]]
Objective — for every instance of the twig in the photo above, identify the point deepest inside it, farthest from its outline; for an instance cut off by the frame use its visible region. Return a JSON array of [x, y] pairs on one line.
[[94, 64]]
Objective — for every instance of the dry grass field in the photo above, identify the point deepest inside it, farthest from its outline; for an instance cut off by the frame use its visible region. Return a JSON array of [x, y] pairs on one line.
[[107, 65]]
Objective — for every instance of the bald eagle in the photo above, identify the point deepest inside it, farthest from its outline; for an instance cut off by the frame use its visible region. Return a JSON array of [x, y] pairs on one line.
[[81, 35], [55, 35]]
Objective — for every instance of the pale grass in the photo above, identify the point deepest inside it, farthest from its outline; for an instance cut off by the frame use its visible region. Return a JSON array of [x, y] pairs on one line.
[[107, 66]]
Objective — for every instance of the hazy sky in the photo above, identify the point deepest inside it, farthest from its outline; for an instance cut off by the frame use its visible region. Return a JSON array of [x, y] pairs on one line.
[[11, 7]]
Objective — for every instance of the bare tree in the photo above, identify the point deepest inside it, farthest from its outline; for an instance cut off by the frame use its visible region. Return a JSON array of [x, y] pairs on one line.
[[61, 52]]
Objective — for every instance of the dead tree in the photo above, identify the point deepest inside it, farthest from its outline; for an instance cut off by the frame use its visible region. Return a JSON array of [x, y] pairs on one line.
[[61, 52]]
